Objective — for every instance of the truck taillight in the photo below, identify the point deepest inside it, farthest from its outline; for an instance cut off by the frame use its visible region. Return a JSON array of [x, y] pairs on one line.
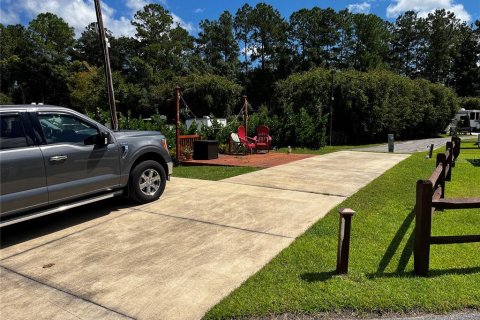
[[164, 144]]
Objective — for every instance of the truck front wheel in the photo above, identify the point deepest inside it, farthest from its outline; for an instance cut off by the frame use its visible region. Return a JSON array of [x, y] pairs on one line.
[[147, 181]]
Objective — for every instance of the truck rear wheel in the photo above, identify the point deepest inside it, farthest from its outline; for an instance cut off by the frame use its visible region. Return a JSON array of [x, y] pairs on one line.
[[147, 181]]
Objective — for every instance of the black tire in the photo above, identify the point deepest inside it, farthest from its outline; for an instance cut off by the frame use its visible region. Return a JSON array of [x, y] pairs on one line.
[[147, 181]]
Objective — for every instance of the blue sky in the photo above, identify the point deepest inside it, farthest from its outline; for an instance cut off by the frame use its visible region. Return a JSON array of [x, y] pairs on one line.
[[117, 14]]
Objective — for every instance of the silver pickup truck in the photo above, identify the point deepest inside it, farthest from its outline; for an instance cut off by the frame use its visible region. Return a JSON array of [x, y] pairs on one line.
[[53, 158]]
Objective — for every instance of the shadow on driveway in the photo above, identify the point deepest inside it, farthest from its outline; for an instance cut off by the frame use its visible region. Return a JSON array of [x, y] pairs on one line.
[[35, 228]]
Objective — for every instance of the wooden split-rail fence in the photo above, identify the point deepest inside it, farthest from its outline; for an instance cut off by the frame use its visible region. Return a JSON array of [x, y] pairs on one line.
[[431, 197]]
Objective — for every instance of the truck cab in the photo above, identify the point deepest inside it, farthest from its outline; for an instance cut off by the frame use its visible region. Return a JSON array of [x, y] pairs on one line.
[[53, 156]]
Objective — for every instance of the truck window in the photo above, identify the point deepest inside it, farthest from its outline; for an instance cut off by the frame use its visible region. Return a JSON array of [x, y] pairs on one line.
[[12, 132], [62, 128]]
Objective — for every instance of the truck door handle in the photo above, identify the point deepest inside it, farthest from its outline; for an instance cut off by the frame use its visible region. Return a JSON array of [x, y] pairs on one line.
[[58, 158]]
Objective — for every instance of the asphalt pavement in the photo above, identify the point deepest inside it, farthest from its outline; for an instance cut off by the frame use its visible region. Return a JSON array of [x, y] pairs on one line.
[[412, 146]]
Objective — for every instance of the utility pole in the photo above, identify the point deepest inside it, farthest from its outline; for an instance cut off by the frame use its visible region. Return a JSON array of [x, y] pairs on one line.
[[177, 123], [332, 98], [108, 71]]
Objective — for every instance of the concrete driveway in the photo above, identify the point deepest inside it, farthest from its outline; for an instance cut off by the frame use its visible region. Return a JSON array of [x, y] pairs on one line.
[[177, 257]]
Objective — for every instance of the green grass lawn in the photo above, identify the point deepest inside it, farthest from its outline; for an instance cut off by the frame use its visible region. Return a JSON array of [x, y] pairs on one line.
[[210, 172], [302, 279]]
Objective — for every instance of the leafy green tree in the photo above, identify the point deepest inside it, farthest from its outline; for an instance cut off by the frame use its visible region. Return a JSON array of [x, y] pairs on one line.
[[88, 47], [16, 49], [466, 64], [344, 51], [86, 87], [52, 36], [243, 27], [217, 45], [180, 51], [268, 34], [371, 42], [164, 47], [123, 51], [207, 94], [441, 34], [405, 43], [152, 23], [14, 41], [314, 33], [48, 70], [133, 97]]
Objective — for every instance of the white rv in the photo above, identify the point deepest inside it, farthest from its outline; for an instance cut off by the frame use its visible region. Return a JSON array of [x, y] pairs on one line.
[[466, 120], [474, 116]]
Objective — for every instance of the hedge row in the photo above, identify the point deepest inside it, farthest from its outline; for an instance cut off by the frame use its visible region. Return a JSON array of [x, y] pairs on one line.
[[368, 106]]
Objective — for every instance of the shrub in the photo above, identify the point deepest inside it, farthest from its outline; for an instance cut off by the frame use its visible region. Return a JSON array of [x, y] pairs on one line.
[[366, 106], [4, 99]]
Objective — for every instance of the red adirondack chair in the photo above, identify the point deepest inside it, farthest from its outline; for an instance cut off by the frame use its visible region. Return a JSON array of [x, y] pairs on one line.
[[263, 140], [247, 142]]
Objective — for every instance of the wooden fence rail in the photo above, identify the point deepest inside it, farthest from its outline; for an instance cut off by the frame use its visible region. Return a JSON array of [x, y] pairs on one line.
[[430, 197]]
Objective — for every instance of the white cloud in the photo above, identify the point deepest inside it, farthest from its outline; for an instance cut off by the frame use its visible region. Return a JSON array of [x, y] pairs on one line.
[[363, 7], [8, 17], [185, 25], [199, 10], [79, 13], [424, 7], [136, 5]]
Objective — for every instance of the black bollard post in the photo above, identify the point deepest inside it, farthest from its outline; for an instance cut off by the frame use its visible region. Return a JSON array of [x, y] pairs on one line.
[[430, 151], [344, 227]]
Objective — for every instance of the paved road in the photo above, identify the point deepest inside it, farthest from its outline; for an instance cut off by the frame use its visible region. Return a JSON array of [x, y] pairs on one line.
[[412, 146], [177, 257]]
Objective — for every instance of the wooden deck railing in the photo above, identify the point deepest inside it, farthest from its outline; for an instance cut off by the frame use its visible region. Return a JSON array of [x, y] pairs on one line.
[[431, 197], [186, 143]]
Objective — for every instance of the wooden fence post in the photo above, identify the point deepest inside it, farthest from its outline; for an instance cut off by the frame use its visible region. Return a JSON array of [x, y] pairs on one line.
[[456, 148], [423, 227], [344, 227], [449, 161], [441, 159]]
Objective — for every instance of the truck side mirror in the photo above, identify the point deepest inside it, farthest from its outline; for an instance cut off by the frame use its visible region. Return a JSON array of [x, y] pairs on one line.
[[103, 138], [100, 139]]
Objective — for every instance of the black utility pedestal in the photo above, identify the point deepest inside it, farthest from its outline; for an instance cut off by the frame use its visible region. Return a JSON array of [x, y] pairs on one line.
[[205, 149]]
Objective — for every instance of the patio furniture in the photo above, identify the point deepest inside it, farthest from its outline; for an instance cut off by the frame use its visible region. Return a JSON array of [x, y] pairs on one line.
[[263, 140], [205, 149], [235, 146], [247, 142]]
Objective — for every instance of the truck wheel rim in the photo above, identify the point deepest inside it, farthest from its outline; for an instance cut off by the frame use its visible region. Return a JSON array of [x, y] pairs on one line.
[[149, 182]]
